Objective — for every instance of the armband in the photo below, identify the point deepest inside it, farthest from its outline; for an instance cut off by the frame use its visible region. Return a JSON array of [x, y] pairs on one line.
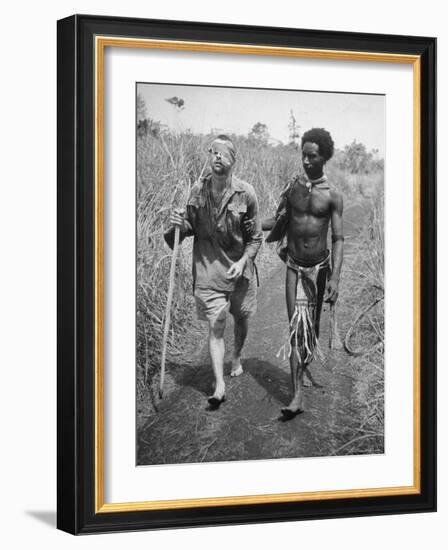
[[335, 238]]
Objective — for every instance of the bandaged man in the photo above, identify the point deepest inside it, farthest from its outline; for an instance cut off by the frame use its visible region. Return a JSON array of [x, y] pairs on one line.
[[223, 254], [300, 226]]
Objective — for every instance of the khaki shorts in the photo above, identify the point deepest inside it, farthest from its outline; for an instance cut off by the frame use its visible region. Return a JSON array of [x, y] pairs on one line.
[[212, 305]]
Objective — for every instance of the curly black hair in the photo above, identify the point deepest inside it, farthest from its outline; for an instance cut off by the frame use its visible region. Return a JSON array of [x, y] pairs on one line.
[[323, 139]]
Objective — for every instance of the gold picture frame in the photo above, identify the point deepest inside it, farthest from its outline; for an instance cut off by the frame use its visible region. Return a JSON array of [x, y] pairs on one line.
[[81, 462]]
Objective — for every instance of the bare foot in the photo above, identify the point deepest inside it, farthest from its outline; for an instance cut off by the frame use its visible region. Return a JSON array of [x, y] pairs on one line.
[[218, 397], [294, 408], [309, 381], [237, 367]]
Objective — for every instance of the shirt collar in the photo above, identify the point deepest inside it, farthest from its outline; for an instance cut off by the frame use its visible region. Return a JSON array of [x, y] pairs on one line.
[[236, 185]]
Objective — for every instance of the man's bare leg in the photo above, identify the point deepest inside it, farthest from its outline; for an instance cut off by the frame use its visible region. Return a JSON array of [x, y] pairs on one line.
[[241, 327], [216, 348], [297, 371], [296, 404], [291, 289], [308, 379]]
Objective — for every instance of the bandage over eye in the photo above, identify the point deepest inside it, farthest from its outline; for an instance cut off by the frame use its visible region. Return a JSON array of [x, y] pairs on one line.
[[225, 148]]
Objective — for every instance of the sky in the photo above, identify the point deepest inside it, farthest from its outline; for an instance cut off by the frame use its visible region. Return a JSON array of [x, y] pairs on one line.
[[347, 117]]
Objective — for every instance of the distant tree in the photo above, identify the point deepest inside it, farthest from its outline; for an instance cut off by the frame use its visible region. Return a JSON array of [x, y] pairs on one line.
[[294, 134], [177, 102], [146, 125], [142, 112], [149, 127], [259, 132], [356, 158]]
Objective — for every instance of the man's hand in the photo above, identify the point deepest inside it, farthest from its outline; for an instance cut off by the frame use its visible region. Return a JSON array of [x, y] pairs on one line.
[[332, 290], [177, 217], [236, 269]]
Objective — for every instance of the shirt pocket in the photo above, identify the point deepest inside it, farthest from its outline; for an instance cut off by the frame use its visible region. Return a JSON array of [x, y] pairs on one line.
[[236, 211], [237, 208]]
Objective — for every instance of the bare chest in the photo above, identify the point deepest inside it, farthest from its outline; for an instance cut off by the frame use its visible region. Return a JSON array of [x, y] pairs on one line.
[[316, 203]]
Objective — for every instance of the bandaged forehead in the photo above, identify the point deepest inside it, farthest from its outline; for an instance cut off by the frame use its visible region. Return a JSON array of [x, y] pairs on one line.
[[224, 147]]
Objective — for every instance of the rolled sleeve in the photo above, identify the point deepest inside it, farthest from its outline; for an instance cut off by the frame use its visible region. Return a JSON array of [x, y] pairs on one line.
[[186, 231], [281, 218], [255, 238]]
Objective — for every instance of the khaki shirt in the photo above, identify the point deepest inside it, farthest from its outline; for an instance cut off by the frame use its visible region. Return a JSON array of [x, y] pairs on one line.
[[220, 238]]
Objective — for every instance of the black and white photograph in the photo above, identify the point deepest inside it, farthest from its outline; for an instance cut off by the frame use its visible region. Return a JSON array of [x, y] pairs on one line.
[[221, 254], [260, 273]]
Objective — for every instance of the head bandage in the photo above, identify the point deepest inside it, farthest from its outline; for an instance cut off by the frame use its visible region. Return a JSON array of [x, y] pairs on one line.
[[224, 147]]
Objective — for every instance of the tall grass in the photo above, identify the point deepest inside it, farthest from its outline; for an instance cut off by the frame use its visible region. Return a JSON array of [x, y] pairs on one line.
[[364, 432], [167, 166]]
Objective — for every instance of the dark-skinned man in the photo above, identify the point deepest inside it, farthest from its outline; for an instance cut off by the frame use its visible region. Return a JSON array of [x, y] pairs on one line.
[[306, 207]]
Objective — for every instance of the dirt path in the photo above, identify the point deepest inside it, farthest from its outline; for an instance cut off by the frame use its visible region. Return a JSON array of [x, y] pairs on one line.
[[248, 425]]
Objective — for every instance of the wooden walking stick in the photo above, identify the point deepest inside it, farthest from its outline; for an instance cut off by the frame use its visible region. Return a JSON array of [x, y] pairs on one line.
[[169, 299]]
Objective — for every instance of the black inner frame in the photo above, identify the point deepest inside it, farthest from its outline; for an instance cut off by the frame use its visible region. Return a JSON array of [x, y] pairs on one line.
[[76, 444]]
